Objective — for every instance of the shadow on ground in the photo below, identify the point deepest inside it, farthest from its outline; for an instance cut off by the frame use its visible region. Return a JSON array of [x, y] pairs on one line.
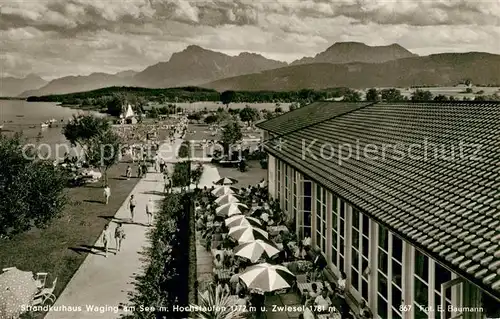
[[94, 201], [124, 221], [84, 249], [154, 193]]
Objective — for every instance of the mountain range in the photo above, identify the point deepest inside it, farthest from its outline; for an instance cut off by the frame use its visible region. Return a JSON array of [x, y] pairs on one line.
[[350, 64]]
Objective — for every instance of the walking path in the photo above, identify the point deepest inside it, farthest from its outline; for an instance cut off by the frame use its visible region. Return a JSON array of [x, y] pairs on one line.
[[101, 284]]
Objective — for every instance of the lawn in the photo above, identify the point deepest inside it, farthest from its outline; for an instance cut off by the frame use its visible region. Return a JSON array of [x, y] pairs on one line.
[[50, 250], [252, 176]]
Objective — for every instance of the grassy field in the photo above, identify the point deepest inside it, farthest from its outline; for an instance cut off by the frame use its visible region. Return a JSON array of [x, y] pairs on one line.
[[55, 249], [254, 175]]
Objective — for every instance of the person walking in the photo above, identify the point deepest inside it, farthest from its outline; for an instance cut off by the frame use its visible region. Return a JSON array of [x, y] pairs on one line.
[[119, 236], [132, 205], [139, 171], [166, 181], [107, 193], [149, 211], [162, 165], [105, 238], [128, 172]]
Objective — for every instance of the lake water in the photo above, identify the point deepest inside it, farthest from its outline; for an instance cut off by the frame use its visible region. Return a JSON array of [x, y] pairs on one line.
[[26, 117]]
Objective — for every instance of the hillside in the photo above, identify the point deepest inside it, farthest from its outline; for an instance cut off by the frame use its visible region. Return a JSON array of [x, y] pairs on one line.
[[349, 52], [196, 65], [10, 86], [438, 69], [71, 84]]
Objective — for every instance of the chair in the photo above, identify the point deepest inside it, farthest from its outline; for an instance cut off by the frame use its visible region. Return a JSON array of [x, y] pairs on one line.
[[40, 279], [45, 294]]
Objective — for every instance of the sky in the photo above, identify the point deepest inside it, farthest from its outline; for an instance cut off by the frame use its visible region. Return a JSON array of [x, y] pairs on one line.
[[54, 38]]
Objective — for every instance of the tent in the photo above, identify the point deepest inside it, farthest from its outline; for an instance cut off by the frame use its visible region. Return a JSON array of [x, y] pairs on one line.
[[129, 113]]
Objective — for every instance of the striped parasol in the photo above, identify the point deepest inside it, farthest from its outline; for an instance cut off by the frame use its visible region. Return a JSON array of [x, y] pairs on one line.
[[254, 250], [244, 234], [266, 277], [242, 220]]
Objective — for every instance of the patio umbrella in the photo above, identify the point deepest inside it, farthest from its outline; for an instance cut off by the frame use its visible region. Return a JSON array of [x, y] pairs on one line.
[[244, 234], [226, 199], [266, 277], [256, 249], [231, 209], [17, 288], [223, 190], [226, 181], [242, 220]]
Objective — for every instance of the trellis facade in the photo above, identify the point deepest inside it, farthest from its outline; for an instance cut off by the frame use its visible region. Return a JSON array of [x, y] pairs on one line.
[[397, 276]]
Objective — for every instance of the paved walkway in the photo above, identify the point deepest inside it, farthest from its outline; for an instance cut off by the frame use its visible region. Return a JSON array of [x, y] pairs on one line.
[[101, 284]]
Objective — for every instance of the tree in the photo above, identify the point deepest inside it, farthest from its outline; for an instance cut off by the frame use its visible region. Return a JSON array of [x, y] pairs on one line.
[[372, 95], [421, 96], [391, 95], [103, 151], [181, 175], [249, 114], [278, 110], [231, 133], [211, 119], [440, 98], [352, 96], [31, 190], [196, 174], [100, 144], [115, 105], [83, 128], [227, 97]]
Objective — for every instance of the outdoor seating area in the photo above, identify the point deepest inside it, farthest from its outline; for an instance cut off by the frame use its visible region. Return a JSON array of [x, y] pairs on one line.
[[20, 289], [257, 259]]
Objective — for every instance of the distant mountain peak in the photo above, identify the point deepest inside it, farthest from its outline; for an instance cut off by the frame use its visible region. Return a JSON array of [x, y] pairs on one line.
[[350, 52]]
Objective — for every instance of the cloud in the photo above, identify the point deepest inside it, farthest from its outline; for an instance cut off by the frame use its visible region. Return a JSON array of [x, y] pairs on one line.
[[61, 37]]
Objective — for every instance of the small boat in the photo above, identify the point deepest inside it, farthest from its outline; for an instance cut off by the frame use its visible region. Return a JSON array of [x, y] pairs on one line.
[[44, 125], [52, 121], [19, 115], [1, 127]]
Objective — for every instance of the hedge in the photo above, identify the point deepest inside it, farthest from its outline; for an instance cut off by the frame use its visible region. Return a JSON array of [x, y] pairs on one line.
[[166, 279]]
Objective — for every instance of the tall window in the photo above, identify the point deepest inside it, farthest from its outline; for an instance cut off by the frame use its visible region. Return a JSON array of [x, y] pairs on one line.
[[421, 286], [295, 190], [335, 233], [342, 226], [321, 202], [396, 274], [360, 252], [278, 180], [383, 270], [286, 207], [390, 262], [307, 201], [441, 276]]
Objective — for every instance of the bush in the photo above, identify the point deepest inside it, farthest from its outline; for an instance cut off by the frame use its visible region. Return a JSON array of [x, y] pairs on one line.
[[165, 282], [31, 190], [184, 150]]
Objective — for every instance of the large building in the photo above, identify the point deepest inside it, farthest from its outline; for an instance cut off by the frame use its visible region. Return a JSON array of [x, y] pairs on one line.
[[404, 198]]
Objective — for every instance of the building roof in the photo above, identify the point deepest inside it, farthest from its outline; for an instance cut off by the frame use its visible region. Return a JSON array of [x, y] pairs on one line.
[[437, 184], [308, 115]]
